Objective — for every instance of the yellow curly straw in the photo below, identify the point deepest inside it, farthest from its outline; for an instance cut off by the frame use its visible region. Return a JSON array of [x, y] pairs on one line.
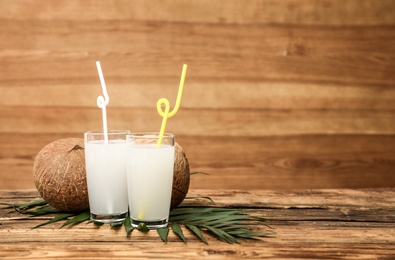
[[166, 114]]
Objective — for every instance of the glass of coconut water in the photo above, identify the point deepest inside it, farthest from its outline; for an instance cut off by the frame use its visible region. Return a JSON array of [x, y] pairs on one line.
[[105, 160], [150, 167]]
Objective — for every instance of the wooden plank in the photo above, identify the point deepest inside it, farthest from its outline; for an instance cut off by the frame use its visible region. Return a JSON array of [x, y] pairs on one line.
[[272, 162], [116, 250], [324, 199], [214, 52], [200, 122], [316, 161], [14, 176], [198, 94], [352, 12], [336, 224]]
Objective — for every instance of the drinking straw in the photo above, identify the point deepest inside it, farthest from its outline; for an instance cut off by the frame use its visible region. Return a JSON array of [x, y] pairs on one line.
[[102, 102], [166, 114]]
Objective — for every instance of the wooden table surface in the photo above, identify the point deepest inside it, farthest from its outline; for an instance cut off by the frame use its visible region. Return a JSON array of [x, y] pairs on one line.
[[324, 224]]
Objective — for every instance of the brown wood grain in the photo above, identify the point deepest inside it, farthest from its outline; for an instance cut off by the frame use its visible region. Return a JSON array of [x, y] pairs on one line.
[[319, 224], [278, 94], [309, 12], [280, 162], [198, 94], [202, 122], [336, 55]]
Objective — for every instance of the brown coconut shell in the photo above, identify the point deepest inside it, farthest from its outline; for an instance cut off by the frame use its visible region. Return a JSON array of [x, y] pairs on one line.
[[59, 174], [181, 178]]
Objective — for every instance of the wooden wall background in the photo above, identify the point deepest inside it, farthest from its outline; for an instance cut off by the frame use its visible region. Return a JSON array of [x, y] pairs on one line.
[[279, 94]]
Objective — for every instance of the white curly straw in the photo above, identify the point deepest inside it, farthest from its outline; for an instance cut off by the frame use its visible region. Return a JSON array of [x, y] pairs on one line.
[[102, 102]]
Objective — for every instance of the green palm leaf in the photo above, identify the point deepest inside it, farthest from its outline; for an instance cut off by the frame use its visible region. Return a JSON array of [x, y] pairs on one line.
[[177, 229], [221, 234], [128, 226], [143, 227], [248, 234], [224, 223], [43, 210], [20, 207], [115, 225], [199, 197], [197, 232], [78, 219], [55, 219], [193, 173], [163, 233]]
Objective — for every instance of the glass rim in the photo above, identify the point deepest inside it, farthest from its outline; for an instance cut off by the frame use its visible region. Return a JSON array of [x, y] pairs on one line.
[[150, 135], [109, 132]]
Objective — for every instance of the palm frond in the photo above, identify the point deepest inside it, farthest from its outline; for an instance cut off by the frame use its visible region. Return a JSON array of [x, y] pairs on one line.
[[78, 219], [226, 224], [163, 233]]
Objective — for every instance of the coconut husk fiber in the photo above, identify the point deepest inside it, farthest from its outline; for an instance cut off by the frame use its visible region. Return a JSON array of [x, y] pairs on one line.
[[59, 174]]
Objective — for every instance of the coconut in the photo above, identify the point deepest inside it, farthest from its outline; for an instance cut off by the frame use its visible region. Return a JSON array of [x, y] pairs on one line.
[[59, 174], [181, 177]]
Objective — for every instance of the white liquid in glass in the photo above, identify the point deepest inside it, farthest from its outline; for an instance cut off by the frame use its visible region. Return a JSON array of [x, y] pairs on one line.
[[150, 180], [106, 176]]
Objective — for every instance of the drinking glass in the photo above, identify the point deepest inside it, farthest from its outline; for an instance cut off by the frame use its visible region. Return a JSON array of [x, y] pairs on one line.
[[150, 178], [105, 162]]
